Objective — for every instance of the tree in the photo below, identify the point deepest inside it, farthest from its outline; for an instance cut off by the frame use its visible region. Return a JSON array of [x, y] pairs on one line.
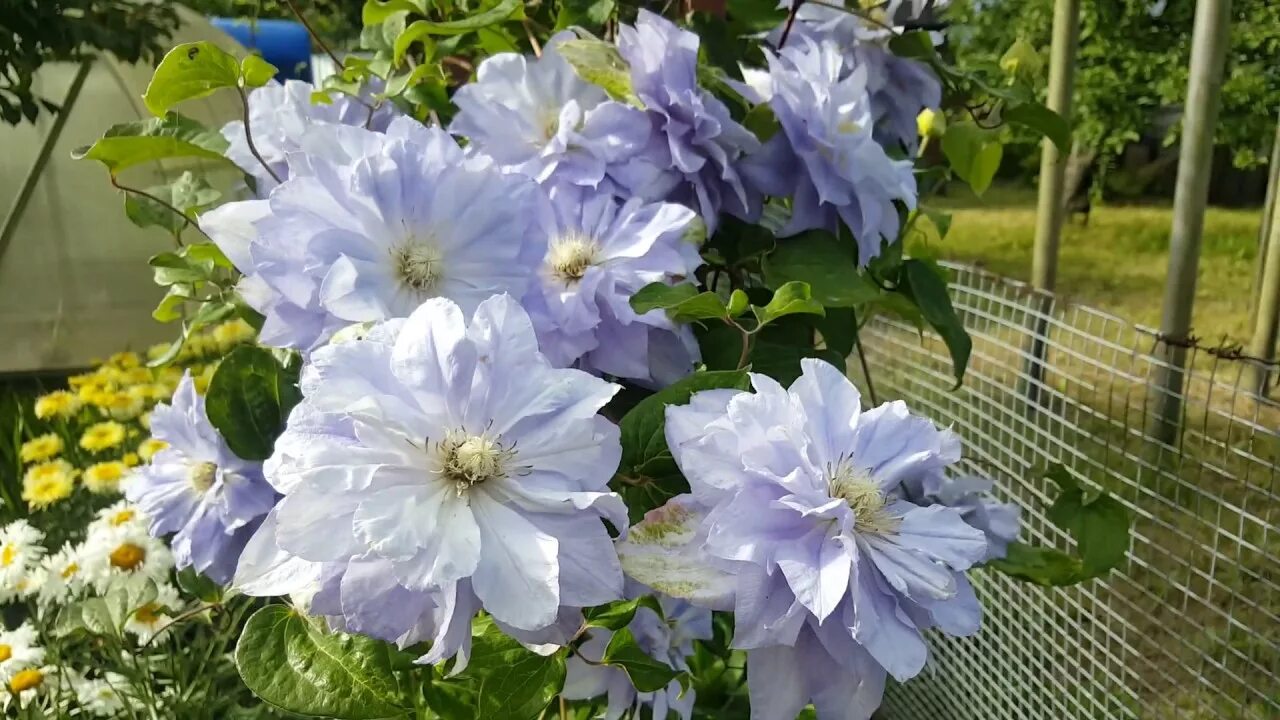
[[33, 32], [1132, 64]]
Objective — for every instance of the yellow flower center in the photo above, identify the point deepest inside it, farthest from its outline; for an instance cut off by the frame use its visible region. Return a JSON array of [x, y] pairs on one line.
[[571, 255], [8, 554], [472, 459], [202, 476], [418, 265], [122, 517], [128, 556], [69, 570], [148, 614], [856, 487], [26, 680], [6, 652]]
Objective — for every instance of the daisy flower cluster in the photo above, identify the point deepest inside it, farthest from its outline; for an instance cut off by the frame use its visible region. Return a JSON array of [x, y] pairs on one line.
[[95, 433]]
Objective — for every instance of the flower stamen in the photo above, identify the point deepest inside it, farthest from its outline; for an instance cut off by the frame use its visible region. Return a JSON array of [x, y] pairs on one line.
[[468, 460], [570, 256], [418, 265], [202, 475], [855, 486]]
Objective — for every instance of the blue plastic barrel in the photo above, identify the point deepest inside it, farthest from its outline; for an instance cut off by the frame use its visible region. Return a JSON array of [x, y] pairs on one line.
[[283, 43]]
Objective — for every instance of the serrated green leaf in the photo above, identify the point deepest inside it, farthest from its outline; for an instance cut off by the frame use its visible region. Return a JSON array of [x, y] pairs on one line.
[[289, 661], [189, 71], [790, 298], [646, 673], [256, 72], [173, 136], [924, 284], [249, 399], [829, 268], [600, 64]]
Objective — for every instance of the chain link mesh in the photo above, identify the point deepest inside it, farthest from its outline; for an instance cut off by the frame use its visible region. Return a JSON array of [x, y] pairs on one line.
[[1189, 626]]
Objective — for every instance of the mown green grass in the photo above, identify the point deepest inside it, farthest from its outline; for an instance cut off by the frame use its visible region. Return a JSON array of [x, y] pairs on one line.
[[1117, 263]]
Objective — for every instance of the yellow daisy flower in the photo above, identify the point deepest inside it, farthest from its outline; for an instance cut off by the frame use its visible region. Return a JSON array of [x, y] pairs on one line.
[[232, 333], [131, 459], [41, 448], [123, 405], [125, 360], [145, 420], [104, 477], [149, 447], [206, 375], [59, 403], [101, 436], [48, 483]]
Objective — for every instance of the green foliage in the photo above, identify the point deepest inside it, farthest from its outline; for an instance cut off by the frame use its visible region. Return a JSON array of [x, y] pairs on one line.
[[974, 154], [504, 680], [617, 615], [1132, 66], [289, 661], [646, 673], [827, 265], [190, 71], [600, 64], [172, 136], [1097, 522], [249, 400], [38, 31], [924, 283]]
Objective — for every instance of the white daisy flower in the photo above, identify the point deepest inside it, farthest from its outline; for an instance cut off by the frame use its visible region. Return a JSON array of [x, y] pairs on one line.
[[61, 575], [19, 651], [123, 553], [103, 697], [20, 550], [117, 515], [26, 686], [154, 618]]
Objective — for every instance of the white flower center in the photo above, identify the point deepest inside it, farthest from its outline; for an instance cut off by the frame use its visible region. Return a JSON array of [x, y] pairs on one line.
[[201, 476], [570, 256], [418, 265], [468, 460], [856, 487]]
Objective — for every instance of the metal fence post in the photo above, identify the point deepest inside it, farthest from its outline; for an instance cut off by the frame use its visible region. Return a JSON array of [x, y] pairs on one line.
[[1264, 228], [1209, 44], [1263, 344], [1051, 205]]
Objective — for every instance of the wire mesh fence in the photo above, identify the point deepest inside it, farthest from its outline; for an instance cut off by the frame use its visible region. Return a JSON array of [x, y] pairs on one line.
[[1189, 627]]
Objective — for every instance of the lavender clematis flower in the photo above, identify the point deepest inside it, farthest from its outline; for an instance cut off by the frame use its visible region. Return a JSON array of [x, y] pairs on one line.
[[696, 145], [370, 225], [435, 468], [198, 489], [669, 642], [899, 88], [824, 155], [971, 496], [280, 116], [537, 117], [599, 253], [831, 576]]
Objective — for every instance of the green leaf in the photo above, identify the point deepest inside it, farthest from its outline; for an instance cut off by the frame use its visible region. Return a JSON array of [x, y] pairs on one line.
[[817, 258], [96, 617], [188, 71], [738, 301], [925, 285], [915, 44], [127, 597], [289, 661], [646, 673], [256, 72], [600, 64], [249, 398], [590, 14], [503, 11], [683, 303], [617, 615], [941, 220], [172, 136], [974, 154], [762, 122], [189, 193], [198, 586], [1099, 524], [1042, 566], [1038, 118], [376, 12], [789, 299], [781, 360], [512, 682], [643, 429]]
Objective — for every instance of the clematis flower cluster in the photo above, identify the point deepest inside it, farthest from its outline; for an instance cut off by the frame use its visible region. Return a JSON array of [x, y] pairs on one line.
[[438, 467], [280, 116], [797, 523], [197, 489]]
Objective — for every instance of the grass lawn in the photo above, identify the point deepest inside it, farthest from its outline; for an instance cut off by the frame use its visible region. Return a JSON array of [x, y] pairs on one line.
[[1118, 262]]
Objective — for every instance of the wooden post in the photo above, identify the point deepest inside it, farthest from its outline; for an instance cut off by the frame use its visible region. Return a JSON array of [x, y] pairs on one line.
[[1051, 203], [1209, 44], [1265, 329], [1264, 229]]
